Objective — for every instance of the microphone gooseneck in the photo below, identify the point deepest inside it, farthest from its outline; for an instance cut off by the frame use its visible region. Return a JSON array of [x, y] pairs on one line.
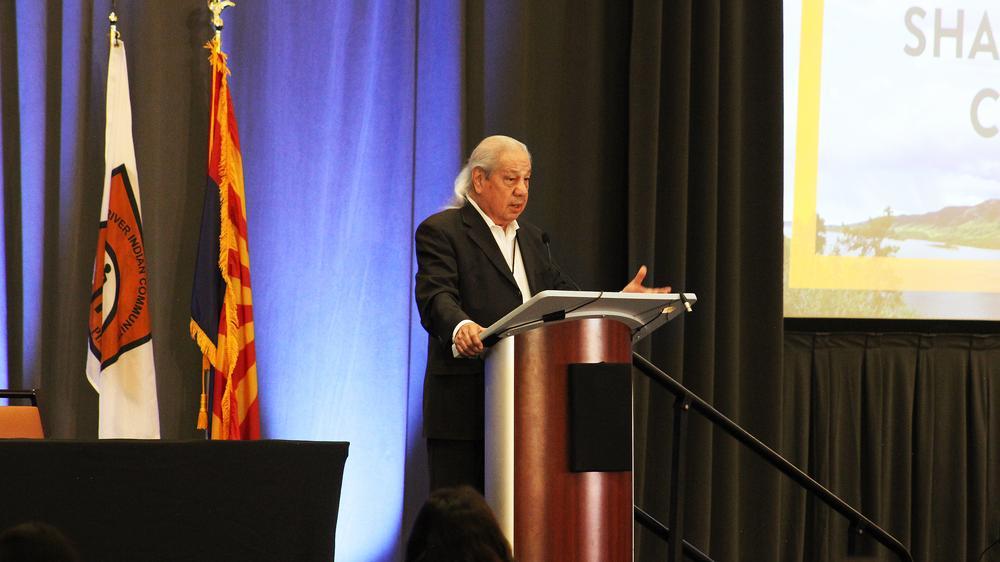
[[548, 250]]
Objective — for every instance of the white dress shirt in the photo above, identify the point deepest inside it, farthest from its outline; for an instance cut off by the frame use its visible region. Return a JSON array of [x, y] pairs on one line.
[[506, 239]]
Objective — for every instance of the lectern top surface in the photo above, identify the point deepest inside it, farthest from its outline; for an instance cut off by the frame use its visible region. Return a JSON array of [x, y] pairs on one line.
[[642, 312]]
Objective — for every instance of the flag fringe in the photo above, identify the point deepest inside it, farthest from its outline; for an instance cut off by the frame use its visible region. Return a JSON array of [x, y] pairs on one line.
[[204, 342], [218, 58], [227, 409], [227, 238], [223, 360]]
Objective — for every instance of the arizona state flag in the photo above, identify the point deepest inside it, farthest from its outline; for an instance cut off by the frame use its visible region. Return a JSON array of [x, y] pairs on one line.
[[221, 305], [120, 356]]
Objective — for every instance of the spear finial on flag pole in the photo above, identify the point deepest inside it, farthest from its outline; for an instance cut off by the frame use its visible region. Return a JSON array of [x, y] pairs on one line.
[[216, 6], [114, 34]]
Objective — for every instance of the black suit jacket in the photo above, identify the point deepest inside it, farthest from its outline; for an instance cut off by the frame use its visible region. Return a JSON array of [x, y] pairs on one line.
[[461, 274]]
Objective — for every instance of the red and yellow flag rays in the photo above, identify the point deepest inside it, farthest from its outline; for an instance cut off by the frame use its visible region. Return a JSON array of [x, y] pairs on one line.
[[228, 345]]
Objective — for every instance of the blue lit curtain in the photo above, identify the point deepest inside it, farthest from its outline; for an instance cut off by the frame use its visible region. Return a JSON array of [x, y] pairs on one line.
[[349, 117]]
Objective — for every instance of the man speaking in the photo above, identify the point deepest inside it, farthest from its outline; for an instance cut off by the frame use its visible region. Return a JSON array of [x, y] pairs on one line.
[[476, 263]]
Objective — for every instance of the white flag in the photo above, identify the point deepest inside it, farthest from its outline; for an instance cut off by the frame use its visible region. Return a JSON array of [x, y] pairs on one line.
[[120, 356]]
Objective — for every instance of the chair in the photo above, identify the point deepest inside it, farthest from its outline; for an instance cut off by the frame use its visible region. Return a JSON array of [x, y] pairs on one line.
[[21, 422]]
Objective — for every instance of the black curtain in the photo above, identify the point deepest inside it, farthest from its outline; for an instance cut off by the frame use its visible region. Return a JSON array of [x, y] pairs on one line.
[[904, 427], [656, 135]]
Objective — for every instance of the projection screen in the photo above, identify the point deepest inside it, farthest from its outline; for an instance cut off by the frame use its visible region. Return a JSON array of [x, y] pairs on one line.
[[892, 159]]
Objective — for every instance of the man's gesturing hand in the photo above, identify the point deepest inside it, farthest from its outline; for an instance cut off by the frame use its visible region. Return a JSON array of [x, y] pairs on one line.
[[635, 285]]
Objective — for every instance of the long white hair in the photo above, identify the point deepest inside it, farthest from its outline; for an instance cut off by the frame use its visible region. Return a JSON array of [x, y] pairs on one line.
[[484, 156]]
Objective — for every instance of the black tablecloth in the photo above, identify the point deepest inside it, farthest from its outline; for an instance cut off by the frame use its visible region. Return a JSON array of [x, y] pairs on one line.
[[170, 500]]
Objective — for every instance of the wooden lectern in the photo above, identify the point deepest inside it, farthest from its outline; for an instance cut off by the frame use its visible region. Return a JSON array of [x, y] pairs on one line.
[[549, 506]]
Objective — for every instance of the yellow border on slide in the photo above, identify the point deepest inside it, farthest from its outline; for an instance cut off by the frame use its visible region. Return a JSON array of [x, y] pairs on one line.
[[808, 270]]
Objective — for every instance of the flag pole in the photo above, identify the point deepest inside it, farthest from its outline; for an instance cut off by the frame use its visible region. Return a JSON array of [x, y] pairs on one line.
[[216, 7]]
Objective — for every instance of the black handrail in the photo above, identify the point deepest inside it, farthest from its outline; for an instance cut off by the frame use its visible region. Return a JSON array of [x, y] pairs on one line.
[[663, 532], [688, 400]]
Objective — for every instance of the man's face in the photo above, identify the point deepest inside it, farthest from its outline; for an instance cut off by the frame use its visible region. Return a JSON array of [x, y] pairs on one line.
[[504, 194]]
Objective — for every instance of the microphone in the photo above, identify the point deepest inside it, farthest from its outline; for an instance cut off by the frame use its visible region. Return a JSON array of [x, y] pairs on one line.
[[548, 250], [684, 299]]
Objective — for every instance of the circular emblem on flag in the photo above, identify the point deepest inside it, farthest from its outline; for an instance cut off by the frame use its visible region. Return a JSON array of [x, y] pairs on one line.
[[109, 287], [119, 311]]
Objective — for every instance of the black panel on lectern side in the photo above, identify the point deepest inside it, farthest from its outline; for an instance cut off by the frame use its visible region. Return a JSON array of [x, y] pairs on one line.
[[600, 417]]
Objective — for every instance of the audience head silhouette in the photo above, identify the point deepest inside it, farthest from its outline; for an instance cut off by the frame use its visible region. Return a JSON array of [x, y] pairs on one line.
[[457, 525], [35, 542]]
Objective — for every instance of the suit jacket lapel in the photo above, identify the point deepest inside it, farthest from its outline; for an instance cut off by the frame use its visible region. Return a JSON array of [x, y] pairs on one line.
[[481, 235]]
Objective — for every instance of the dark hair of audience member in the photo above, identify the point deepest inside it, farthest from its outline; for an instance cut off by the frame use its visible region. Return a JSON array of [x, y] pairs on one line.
[[457, 525], [36, 542]]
